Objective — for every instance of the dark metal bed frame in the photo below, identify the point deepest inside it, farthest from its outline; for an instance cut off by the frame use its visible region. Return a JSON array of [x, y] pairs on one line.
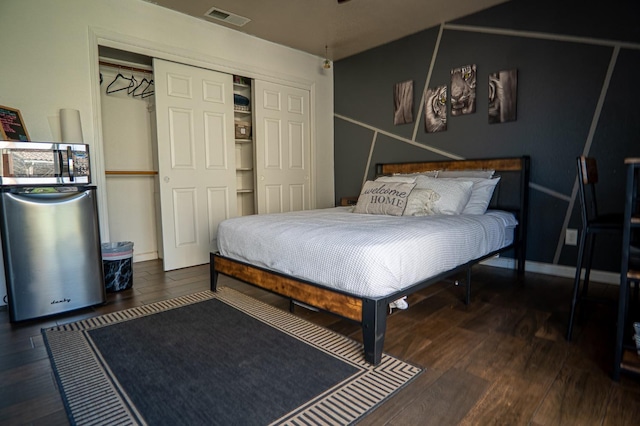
[[511, 194]]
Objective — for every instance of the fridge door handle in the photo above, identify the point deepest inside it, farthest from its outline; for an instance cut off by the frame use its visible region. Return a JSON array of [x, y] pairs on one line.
[[58, 166], [70, 164]]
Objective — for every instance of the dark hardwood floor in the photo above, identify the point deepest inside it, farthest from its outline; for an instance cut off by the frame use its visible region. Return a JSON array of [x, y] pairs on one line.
[[501, 360]]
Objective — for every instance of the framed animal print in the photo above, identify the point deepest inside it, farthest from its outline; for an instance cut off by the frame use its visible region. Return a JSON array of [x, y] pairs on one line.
[[463, 90], [435, 109]]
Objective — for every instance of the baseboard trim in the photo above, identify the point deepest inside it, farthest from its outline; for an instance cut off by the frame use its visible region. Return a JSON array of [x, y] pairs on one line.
[[142, 257], [556, 270]]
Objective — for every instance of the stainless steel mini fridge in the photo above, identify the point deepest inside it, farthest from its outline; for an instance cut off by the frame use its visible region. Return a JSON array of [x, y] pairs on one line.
[[50, 232]]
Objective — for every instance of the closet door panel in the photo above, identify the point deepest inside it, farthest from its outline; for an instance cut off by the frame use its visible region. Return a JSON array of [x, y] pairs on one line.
[[297, 197], [215, 138], [213, 91], [182, 138], [185, 206], [296, 146], [196, 164], [273, 199], [272, 145], [283, 148], [218, 206], [179, 86]]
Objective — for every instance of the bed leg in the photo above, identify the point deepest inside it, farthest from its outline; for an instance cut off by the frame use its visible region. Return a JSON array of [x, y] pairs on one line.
[[374, 324], [468, 296], [520, 254], [521, 261], [213, 274]]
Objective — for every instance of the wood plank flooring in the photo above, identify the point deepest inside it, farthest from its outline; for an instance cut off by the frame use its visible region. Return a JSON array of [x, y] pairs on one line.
[[501, 360]]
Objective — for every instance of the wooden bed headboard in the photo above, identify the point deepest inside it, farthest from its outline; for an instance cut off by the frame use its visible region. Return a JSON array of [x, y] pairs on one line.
[[511, 193]]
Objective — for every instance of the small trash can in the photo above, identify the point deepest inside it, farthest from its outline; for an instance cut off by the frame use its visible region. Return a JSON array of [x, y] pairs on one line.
[[116, 262]]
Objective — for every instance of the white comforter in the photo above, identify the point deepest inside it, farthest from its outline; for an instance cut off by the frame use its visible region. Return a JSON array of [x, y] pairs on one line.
[[362, 254]]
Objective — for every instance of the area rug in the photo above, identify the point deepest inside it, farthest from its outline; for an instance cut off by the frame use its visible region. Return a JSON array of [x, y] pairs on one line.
[[215, 358]]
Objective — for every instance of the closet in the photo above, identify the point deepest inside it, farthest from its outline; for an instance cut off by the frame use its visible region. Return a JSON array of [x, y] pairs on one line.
[[187, 147], [128, 129]]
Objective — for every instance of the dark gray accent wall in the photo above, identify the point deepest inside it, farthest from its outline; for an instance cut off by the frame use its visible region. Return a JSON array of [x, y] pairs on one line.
[[576, 63]]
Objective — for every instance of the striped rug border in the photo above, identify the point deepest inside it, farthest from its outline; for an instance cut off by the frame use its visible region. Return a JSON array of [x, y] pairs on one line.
[[93, 396]]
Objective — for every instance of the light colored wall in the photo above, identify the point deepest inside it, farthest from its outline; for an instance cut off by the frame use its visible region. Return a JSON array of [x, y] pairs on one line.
[[48, 61]]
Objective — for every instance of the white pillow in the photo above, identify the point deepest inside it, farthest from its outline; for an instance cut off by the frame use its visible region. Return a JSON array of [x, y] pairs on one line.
[[430, 173], [454, 194], [397, 178], [481, 193], [487, 174], [383, 198], [421, 202]]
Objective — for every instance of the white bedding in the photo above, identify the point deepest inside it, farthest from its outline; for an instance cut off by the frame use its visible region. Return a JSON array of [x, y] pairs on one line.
[[362, 254]]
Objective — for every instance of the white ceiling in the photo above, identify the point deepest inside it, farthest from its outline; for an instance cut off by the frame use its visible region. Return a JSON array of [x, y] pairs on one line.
[[346, 29]]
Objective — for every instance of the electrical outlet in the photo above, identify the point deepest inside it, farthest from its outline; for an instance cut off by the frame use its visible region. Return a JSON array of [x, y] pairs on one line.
[[571, 237]]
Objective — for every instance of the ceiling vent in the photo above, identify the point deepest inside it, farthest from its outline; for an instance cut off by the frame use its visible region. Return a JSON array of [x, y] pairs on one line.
[[228, 17]]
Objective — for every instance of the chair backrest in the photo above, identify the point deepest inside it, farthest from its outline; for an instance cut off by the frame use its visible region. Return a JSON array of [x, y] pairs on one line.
[[587, 179]]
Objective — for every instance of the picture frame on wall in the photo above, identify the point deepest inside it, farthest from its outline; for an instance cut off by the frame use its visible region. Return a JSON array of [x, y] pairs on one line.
[[503, 88], [403, 102], [435, 109], [463, 90], [12, 127]]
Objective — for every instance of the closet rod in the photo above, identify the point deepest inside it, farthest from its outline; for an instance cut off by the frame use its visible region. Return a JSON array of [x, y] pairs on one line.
[[124, 67]]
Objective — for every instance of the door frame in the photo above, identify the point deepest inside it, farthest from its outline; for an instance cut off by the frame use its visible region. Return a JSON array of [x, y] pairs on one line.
[[101, 37]]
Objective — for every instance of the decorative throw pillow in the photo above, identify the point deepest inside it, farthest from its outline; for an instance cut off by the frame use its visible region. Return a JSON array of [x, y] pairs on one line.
[[486, 174], [383, 198], [454, 194], [421, 202]]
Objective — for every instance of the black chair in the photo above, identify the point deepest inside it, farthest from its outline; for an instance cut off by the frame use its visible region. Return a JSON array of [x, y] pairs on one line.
[[592, 224]]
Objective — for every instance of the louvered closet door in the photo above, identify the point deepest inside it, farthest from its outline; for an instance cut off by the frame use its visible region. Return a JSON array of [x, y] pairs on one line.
[[196, 165], [283, 153]]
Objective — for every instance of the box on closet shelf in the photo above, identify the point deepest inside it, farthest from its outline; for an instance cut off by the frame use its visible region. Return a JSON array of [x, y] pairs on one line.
[[243, 130]]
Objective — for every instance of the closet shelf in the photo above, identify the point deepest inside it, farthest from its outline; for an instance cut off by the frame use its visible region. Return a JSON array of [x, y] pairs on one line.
[[131, 172]]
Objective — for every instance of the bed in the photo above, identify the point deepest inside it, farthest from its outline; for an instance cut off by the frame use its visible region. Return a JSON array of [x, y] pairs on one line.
[[354, 265]]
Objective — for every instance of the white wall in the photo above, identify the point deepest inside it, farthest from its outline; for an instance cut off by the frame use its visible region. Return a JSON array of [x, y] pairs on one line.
[[48, 61], [50, 58]]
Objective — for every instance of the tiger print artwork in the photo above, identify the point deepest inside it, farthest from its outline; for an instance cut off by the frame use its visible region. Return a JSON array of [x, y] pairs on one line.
[[435, 109], [502, 96], [463, 90]]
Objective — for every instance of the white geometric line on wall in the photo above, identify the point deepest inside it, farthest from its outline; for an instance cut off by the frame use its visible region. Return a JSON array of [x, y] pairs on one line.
[[400, 138]]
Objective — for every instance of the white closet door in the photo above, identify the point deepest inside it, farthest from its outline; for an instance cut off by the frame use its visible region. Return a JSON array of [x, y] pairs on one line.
[[196, 165], [283, 148]]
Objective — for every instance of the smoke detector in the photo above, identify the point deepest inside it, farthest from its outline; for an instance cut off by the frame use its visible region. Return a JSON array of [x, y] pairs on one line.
[[228, 17]]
